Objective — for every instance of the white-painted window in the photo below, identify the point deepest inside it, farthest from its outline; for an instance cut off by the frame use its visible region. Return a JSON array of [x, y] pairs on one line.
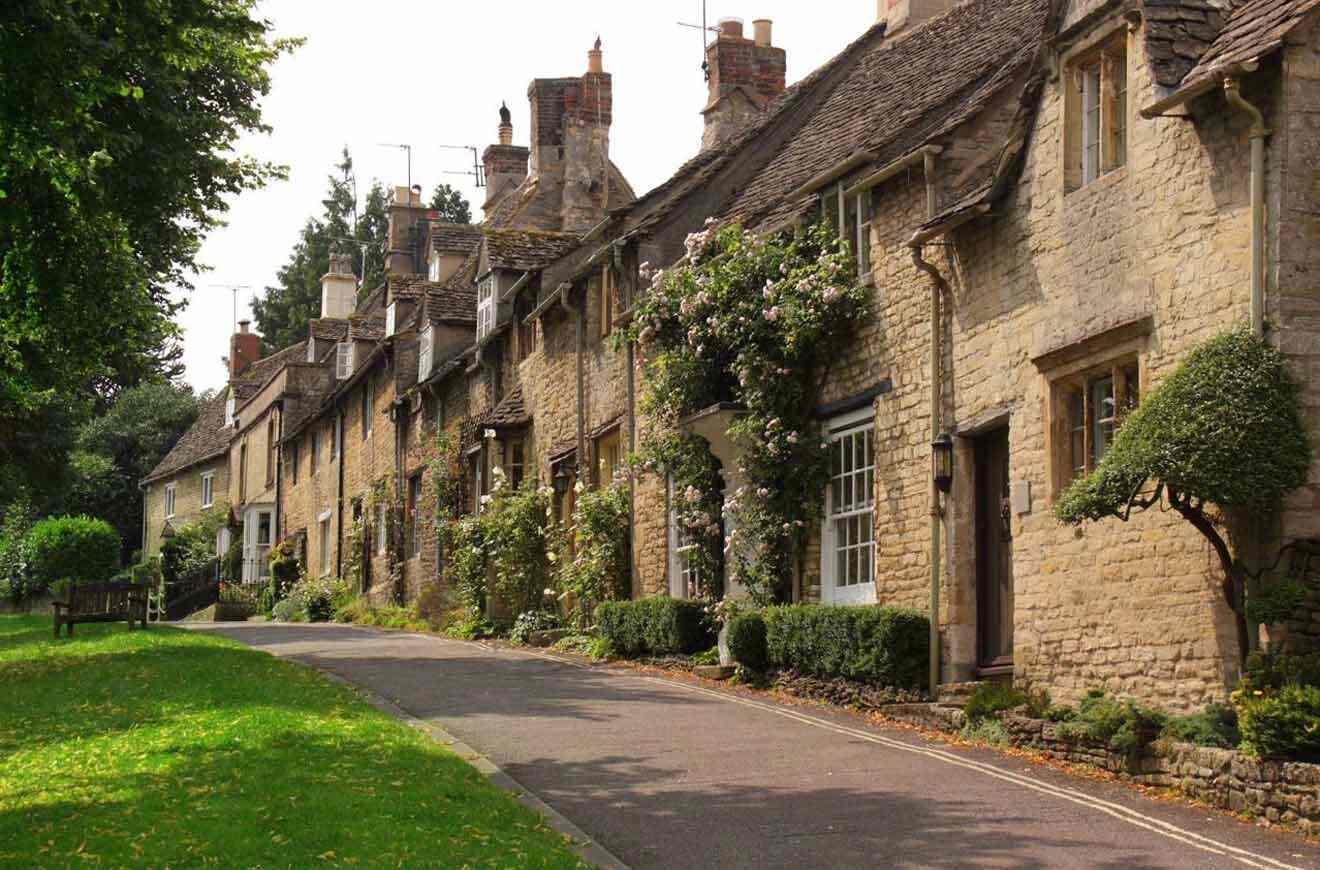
[[391, 318], [208, 489], [684, 578], [258, 535], [344, 360], [434, 271], [426, 354], [169, 500], [848, 536], [486, 306]]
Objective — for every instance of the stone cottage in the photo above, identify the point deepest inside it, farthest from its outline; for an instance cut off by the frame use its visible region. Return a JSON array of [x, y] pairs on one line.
[[1053, 201]]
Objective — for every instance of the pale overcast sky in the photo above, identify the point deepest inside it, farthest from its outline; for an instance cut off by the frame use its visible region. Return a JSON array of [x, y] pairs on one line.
[[433, 74]]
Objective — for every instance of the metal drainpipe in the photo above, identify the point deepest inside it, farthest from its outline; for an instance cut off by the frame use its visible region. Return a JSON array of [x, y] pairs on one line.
[[1233, 93], [939, 286], [564, 290], [630, 361], [339, 494], [279, 471], [399, 418]]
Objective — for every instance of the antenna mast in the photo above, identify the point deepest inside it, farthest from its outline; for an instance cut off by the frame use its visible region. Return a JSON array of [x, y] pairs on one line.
[[405, 147], [233, 288], [477, 172], [705, 28]]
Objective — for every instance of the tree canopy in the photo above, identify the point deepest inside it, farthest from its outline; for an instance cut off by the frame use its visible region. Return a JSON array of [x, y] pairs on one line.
[[284, 309], [451, 205], [118, 124]]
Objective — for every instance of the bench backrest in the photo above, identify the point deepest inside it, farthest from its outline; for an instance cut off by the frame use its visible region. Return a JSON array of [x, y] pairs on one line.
[[105, 597]]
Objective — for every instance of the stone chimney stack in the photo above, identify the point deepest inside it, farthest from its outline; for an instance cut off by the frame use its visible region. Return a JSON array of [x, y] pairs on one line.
[[244, 349], [339, 287], [505, 164], [401, 250], [898, 14], [745, 76]]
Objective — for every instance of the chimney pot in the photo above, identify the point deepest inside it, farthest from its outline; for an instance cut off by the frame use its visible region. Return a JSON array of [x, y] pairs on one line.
[[762, 28], [595, 60], [243, 326], [731, 27]]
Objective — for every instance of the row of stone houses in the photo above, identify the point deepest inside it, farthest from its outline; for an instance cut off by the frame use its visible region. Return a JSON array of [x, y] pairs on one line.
[[1053, 202]]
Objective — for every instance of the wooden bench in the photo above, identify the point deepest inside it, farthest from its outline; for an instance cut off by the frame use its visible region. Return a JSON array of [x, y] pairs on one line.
[[102, 602]]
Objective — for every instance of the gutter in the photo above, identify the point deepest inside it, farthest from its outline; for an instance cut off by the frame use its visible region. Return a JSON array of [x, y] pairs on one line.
[[889, 171], [512, 292], [939, 288], [818, 181]]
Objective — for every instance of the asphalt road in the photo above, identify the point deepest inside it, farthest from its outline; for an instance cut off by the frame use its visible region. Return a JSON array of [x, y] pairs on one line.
[[669, 774]]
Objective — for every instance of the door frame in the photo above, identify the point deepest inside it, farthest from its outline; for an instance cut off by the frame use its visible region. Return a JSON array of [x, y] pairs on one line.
[[981, 442]]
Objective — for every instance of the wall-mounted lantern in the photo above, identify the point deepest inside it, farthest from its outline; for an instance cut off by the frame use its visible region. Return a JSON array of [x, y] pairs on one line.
[[942, 461]]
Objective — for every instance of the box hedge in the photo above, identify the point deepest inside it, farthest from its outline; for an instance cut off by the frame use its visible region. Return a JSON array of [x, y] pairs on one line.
[[654, 626], [883, 646], [76, 549], [746, 640]]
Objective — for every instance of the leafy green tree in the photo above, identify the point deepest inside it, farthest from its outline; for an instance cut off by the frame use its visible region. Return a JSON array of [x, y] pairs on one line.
[[115, 450], [1224, 430], [284, 309], [118, 123], [451, 205]]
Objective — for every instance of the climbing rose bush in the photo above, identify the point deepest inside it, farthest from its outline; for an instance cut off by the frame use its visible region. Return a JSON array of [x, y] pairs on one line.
[[751, 320]]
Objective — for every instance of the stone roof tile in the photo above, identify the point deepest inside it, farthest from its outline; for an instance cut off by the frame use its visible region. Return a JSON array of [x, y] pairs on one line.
[[526, 250], [206, 438], [1253, 29]]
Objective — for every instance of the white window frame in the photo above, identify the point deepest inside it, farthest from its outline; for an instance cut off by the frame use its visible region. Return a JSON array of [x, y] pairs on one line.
[[848, 426], [171, 494], [256, 549], [486, 306], [343, 360], [426, 355], [433, 269], [391, 318], [231, 406], [208, 489], [684, 582]]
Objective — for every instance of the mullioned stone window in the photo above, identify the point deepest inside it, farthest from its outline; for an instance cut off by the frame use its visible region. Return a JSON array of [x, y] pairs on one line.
[[1097, 112]]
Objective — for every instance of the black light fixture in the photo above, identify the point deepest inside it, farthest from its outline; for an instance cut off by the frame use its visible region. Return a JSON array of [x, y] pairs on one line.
[[561, 479], [941, 451]]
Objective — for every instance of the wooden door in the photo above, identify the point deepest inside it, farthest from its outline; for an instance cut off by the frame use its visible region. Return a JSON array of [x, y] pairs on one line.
[[994, 552]]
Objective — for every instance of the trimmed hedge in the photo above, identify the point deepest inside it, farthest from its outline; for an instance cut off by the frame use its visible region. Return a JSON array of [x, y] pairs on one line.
[[654, 626], [77, 549], [884, 646], [747, 640]]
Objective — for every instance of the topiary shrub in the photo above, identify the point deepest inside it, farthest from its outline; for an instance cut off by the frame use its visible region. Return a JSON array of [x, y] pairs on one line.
[[654, 626], [1225, 428], [746, 639], [1282, 724], [73, 549], [884, 646]]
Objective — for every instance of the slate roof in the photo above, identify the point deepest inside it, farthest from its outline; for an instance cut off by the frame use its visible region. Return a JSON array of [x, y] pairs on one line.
[[455, 238], [366, 327], [1178, 32], [1255, 28], [901, 94], [526, 250], [205, 439], [329, 329], [261, 371], [510, 412], [457, 305]]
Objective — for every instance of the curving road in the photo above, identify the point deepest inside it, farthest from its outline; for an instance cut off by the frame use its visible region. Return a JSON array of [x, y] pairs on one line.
[[668, 774]]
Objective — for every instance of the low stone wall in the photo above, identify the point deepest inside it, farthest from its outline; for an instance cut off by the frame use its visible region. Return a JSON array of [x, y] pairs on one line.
[[1285, 792]]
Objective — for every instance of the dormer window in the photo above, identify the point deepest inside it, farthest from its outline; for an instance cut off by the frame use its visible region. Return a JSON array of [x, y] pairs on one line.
[[231, 405], [434, 273], [343, 360], [486, 306], [391, 319], [426, 356]]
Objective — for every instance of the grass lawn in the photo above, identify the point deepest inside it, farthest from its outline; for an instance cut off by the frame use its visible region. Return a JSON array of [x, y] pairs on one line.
[[165, 748]]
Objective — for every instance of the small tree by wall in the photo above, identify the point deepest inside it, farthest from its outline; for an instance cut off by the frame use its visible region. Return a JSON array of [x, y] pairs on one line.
[[1223, 433]]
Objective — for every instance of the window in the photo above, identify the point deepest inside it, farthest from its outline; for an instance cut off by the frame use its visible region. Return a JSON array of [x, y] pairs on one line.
[[516, 461], [242, 472], [368, 408], [486, 306], [391, 318], [848, 538], [231, 405], [295, 459], [526, 336], [479, 479], [325, 546], [1099, 100], [684, 579], [208, 489], [272, 451], [606, 301], [382, 529], [315, 450], [1089, 409], [415, 515], [265, 535], [169, 501], [433, 271], [864, 236], [344, 360], [426, 354], [334, 439], [608, 457]]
